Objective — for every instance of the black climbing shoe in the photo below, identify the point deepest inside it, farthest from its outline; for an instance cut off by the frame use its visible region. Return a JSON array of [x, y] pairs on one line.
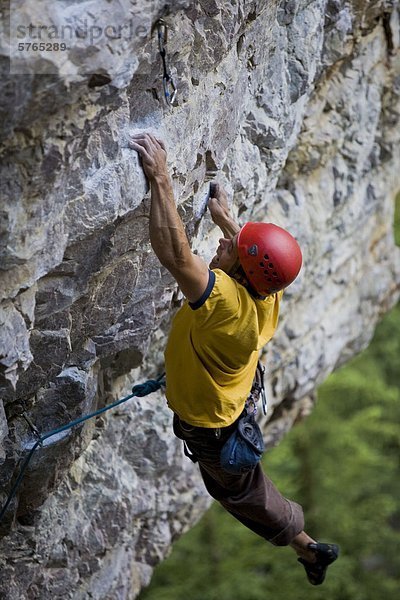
[[325, 554]]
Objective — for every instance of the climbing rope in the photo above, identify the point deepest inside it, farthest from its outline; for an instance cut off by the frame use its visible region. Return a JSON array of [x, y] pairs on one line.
[[140, 390], [170, 90]]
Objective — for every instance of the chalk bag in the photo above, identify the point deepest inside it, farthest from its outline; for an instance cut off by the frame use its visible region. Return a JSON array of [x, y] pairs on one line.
[[244, 448]]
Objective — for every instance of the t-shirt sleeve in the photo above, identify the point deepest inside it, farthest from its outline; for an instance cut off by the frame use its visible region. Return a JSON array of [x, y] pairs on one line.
[[220, 300], [211, 282], [268, 316]]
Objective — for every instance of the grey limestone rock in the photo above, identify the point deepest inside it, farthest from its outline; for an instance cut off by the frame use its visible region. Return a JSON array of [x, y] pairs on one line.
[[293, 106]]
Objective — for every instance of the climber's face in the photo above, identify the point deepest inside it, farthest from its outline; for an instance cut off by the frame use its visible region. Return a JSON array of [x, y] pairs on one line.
[[226, 256]]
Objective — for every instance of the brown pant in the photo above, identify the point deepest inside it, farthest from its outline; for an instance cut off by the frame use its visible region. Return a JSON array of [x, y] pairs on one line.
[[250, 497]]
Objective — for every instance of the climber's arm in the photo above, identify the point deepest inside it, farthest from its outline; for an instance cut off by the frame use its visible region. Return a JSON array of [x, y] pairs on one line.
[[167, 233], [220, 212]]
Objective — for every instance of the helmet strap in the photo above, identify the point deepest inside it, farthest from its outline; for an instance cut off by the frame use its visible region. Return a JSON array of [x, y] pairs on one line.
[[237, 273]]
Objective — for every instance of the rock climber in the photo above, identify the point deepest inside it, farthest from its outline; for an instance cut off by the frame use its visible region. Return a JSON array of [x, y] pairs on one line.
[[230, 313]]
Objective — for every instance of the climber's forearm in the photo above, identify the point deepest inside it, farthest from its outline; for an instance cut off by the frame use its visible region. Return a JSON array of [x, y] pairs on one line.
[[229, 227], [167, 233], [220, 212]]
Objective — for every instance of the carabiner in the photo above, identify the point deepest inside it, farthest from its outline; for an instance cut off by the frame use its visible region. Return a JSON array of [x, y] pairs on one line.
[[168, 83]]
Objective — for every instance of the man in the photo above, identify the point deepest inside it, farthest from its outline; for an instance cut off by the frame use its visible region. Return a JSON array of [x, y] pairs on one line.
[[212, 352]]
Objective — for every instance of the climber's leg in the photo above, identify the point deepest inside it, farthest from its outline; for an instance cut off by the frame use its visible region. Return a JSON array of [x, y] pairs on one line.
[[250, 497]]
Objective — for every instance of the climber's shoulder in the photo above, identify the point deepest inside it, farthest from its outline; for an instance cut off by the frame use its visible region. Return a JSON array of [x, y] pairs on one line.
[[192, 276]]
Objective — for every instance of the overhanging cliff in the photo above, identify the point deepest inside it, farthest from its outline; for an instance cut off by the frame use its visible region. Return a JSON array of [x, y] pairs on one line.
[[295, 105]]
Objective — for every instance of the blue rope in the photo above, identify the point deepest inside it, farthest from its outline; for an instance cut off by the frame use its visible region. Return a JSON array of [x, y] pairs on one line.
[[140, 390]]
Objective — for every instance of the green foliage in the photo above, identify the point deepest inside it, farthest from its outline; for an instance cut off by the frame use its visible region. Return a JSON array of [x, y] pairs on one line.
[[396, 223], [342, 465]]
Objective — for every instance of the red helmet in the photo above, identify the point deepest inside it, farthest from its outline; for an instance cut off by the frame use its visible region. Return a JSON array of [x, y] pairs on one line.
[[269, 255]]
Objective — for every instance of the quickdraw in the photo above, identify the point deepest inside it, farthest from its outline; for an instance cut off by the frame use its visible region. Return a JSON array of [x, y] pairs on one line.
[[257, 390], [170, 90]]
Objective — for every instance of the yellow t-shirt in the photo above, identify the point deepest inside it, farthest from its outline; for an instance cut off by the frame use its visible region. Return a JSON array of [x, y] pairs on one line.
[[212, 351]]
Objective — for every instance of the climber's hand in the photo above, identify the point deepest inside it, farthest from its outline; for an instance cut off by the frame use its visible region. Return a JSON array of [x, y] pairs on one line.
[[152, 153], [218, 204]]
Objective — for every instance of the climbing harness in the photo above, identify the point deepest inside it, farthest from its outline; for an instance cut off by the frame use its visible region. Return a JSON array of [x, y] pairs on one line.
[[170, 90], [245, 446], [140, 390]]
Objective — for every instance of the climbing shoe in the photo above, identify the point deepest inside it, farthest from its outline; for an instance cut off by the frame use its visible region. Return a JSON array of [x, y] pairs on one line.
[[325, 554]]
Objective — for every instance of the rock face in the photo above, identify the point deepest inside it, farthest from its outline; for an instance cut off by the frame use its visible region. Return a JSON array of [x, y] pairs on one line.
[[296, 105]]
